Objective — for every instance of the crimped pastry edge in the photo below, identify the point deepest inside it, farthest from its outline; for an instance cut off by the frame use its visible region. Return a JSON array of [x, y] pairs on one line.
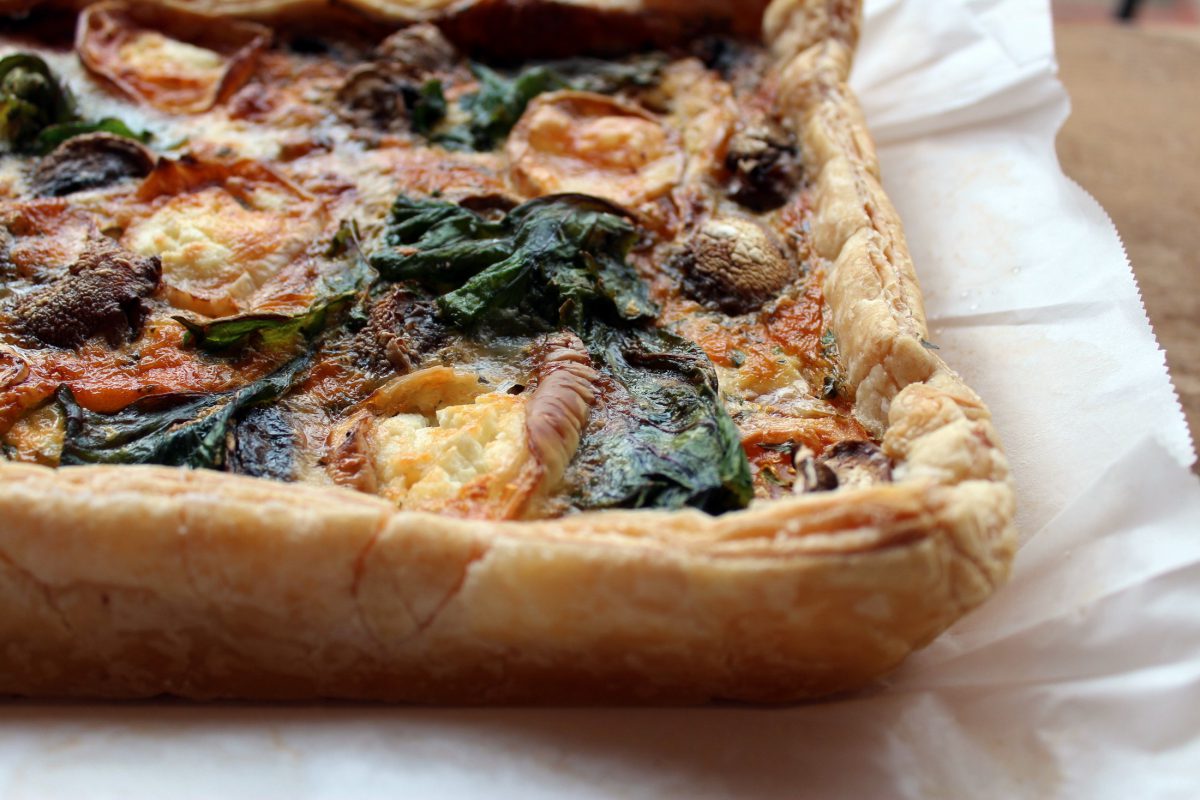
[[139, 581]]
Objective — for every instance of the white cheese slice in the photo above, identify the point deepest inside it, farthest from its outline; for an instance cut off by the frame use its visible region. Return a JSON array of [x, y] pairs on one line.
[[464, 458]]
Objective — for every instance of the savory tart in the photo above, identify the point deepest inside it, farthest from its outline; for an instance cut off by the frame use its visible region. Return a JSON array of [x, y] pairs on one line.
[[514, 350]]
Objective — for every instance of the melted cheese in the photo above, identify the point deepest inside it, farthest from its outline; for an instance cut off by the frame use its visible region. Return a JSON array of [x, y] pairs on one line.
[[464, 458], [160, 59], [592, 144], [216, 252]]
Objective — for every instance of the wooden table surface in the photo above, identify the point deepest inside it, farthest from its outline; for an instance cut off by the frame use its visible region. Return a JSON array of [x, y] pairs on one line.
[[1133, 141]]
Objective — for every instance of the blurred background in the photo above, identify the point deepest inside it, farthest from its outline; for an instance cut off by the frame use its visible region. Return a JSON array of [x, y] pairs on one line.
[[1133, 140]]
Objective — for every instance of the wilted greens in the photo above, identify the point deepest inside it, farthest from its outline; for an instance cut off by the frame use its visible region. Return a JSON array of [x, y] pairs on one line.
[[426, 106], [270, 329], [559, 258], [664, 439], [38, 113], [184, 430], [494, 109]]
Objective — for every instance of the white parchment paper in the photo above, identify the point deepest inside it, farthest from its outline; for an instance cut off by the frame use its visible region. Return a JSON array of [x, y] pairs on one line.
[[1080, 679]]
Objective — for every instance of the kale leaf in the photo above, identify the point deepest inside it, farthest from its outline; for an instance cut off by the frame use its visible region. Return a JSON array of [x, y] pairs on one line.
[[38, 112], [500, 101], [183, 429], [663, 438], [438, 242], [496, 107], [558, 258], [270, 329]]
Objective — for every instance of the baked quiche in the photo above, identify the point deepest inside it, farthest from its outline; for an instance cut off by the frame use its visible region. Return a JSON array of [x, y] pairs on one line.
[[498, 351]]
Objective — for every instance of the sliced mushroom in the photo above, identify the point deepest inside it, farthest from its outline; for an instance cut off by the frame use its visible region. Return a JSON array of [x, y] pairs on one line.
[[380, 94], [103, 293], [559, 407], [733, 264], [858, 463], [812, 475], [419, 49], [763, 166], [373, 97], [90, 161]]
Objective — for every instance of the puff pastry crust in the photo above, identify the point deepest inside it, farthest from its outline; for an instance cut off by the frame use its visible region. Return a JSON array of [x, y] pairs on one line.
[[129, 582]]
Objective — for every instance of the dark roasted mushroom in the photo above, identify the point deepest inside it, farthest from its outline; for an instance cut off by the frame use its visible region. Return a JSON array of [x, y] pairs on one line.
[[387, 92], [857, 463], [373, 97], [263, 445], [763, 166], [418, 49], [102, 294], [400, 329], [812, 475], [733, 264], [90, 161]]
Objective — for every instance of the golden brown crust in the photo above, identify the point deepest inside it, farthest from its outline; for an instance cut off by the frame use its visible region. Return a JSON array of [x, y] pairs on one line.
[[134, 581]]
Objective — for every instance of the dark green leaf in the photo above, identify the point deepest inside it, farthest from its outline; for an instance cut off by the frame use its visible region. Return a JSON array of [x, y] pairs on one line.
[[829, 347], [555, 257], [54, 135], [271, 329], [427, 107], [438, 242], [666, 441], [186, 429], [496, 107], [264, 444], [831, 385]]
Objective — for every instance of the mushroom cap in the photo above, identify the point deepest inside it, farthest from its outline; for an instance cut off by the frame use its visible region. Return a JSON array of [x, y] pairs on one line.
[[763, 166], [90, 161], [419, 48], [858, 463], [734, 264]]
